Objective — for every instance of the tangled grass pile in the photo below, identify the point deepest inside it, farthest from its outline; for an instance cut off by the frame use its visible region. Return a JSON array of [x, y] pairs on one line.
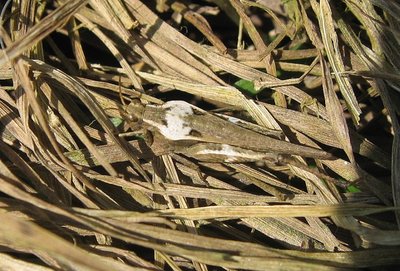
[[87, 184]]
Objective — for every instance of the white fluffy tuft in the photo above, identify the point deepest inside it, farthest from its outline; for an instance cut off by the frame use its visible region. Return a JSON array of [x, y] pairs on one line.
[[225, 150], [176, 127]]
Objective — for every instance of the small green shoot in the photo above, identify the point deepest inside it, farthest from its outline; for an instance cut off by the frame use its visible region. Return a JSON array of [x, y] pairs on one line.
[[116, 121], [246, 86], [352, 189]]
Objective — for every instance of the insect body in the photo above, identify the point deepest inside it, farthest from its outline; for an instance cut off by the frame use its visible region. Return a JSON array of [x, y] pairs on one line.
[[205, 134]]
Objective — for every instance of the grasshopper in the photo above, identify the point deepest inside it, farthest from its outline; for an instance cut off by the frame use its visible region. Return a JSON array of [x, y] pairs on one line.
[[196, 133]]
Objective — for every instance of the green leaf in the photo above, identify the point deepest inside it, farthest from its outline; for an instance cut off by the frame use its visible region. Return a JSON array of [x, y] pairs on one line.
[[352, 189], [116, 121], [246, 86]]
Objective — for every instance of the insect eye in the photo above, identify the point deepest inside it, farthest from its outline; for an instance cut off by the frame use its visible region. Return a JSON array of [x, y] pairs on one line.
[[194, 133], [198, 112]]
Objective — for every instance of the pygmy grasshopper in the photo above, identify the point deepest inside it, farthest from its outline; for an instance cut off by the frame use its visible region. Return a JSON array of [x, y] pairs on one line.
[[207, 137]]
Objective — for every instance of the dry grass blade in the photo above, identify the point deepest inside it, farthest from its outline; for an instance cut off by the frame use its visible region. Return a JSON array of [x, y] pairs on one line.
[[335, 113], [376, 64], [331, 43], [63, 252], [201, 24], [127, 68], [83, 94], [10, 263], [41, 30], [199, 135], [271, 211]]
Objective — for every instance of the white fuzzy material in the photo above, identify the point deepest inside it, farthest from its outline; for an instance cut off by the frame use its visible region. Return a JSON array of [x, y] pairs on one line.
[[176, 127], [233, 119], [225, 150], [233, 154]]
